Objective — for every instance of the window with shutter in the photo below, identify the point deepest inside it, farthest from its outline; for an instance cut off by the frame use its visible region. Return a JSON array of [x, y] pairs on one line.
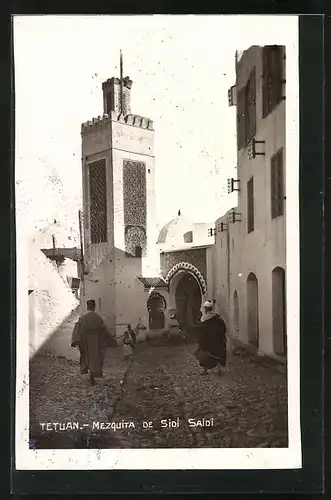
[[246, 112], [277, 185], [250, 205], [272, 84], [241, 118], [250, 108], [273, 188], [265, 81]]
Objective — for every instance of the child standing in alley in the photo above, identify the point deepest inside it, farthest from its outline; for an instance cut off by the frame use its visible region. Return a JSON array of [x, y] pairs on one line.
[[128, 343]]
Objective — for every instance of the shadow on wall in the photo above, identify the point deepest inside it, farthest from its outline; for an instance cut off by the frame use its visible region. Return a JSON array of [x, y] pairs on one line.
[[119, 296], [50, 297], [58, 343]]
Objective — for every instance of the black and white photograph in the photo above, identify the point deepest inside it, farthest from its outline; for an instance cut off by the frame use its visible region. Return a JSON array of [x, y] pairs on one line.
[[157, 227]]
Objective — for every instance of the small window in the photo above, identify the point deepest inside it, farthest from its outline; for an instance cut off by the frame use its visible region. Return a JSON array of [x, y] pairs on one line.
[[75, 282], [138, 252], [188, 237], [250, 205], [99, 304], [110, 103], [277, 185]]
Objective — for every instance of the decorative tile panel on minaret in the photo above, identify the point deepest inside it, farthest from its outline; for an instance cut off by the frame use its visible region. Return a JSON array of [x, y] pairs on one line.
[[135, 207]]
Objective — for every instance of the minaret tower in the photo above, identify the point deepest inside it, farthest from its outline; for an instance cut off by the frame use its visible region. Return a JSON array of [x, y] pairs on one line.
[[119, 200]]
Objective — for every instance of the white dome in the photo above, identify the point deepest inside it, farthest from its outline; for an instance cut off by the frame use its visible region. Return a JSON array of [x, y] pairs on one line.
[[173, 232]]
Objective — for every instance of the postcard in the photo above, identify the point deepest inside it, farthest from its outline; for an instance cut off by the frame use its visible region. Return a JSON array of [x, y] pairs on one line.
[[157, 174]]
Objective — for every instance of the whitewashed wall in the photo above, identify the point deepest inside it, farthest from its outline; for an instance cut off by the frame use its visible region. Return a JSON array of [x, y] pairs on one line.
[[51, 301]]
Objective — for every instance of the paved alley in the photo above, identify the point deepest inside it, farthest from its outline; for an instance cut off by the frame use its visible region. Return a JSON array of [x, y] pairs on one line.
[[159, 400]]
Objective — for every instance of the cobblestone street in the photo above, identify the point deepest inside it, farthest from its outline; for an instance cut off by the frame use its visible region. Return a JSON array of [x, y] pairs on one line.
[[246, 407]]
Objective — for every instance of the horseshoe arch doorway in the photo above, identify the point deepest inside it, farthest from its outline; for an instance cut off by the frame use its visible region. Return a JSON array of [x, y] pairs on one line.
[[156, 306], [186, 298]]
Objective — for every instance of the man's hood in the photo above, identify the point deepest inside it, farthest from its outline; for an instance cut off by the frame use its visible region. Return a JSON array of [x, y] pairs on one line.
[[207, 316]]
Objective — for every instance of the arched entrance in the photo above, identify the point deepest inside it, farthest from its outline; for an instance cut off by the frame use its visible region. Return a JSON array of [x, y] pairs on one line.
[[279, 311], [186, 298], [156, 305], [252, 310], [236, 313]]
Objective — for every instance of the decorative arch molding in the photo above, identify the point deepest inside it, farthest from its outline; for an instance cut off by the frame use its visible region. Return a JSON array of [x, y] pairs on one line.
[[186, 266], [156, 296]]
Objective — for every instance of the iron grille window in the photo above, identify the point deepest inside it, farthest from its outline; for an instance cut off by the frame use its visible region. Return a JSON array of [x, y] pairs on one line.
[[246, 111], [250, 205], [98, 201], [272, 86], [277, 185]]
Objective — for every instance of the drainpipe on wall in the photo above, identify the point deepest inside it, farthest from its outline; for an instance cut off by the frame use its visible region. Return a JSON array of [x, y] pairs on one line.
[[80, 218], [228, 269]]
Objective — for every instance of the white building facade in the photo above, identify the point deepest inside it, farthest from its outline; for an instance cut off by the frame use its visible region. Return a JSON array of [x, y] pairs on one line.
[[247, 265]]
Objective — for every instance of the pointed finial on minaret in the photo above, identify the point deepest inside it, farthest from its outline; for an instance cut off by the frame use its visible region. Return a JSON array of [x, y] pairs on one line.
[[121, 64], [121, 81], [179, 212]]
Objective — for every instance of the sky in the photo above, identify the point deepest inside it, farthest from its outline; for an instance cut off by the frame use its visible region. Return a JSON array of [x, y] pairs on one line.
[[181, 67]]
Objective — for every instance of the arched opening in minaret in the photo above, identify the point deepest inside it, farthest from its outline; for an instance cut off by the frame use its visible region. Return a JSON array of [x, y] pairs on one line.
[[186, 292], [138, 251]]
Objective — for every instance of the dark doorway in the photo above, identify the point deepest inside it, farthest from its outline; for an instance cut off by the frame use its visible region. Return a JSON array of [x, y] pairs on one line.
[[156, 306], [279, 311], [236, 313], [188, 300], [252, 310]]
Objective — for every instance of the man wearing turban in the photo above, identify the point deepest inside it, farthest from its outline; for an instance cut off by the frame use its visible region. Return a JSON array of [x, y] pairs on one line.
[[211, 340], [91, 336]]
